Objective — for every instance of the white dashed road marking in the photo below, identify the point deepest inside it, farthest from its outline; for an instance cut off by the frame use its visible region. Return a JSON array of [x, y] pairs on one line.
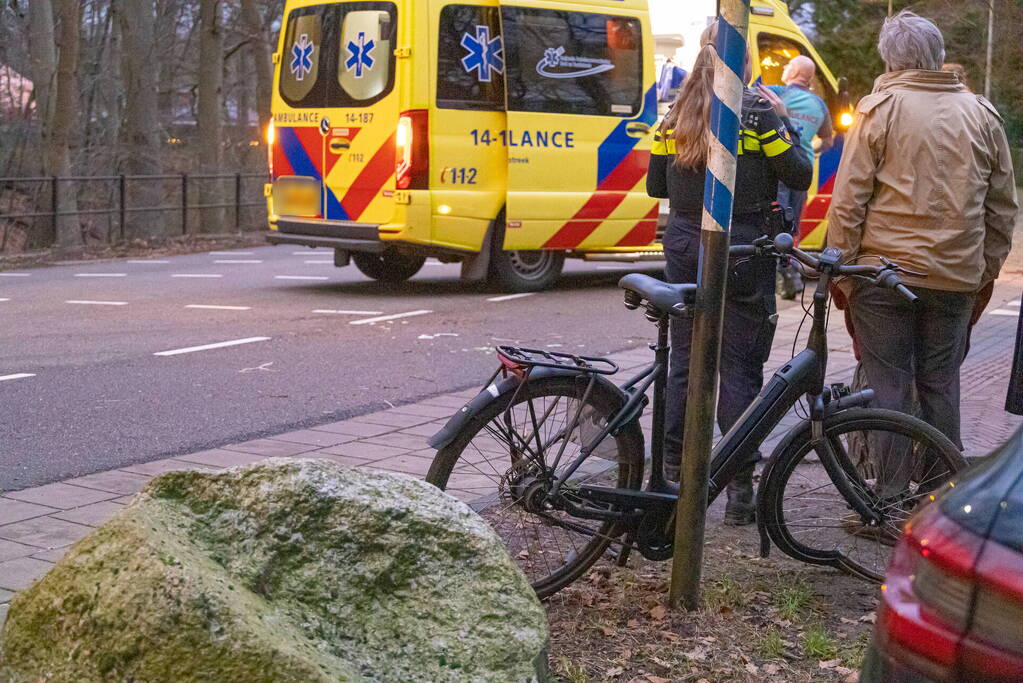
[[197, 275], [206, 347], [301, 277], [1003, 311], [15, 274], [310, 252], [101, 274], [231, 253], [4, 299], [393, 316], [220, 308], [508, 297], [342, 312], [20, 375], [96, 303], [1014, 303], [240, 260]]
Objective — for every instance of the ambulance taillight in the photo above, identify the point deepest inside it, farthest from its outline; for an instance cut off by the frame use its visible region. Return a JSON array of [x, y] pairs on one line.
[[412, 151], [271, 136]]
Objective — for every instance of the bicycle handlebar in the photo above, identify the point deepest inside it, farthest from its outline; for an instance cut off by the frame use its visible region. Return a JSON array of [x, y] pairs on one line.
[[783, 244]]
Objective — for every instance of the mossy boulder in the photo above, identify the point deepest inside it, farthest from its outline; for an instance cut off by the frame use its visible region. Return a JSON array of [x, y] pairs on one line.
[[290, 570]]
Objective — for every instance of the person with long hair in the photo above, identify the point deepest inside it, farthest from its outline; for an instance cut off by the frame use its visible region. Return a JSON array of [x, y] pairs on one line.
[[769, 152]]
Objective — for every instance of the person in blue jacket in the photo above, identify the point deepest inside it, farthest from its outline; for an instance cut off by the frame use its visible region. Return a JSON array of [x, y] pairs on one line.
[[810, 117]]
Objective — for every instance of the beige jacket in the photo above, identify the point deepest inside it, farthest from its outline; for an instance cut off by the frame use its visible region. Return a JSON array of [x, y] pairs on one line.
[[926, 180]]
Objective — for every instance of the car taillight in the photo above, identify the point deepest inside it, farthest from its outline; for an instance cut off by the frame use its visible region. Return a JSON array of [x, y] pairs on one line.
[[412, 151], [940, 615], [271, 137]]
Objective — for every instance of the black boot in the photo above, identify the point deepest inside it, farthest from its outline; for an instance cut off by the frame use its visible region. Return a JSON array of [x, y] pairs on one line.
[[739, 510]]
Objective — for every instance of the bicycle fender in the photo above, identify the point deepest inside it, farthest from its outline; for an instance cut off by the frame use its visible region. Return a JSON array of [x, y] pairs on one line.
[[800, 431], [498, 391]]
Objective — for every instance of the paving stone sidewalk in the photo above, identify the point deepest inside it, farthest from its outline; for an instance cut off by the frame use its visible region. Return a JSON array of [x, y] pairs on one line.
[[38, 524]]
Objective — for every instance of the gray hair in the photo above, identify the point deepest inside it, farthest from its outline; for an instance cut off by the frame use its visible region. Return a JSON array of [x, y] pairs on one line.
[[908, 41]]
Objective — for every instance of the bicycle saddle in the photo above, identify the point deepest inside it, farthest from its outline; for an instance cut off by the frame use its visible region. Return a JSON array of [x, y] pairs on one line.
[[665, 297]]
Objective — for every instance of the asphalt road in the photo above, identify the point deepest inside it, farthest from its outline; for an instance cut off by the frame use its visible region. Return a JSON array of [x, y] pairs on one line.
[[86, 383]]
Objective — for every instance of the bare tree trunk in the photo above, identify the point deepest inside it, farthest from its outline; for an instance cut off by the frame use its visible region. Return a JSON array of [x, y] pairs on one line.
[[211, 83], [140, 128], [65, 106], [259, 49], [43, 58]]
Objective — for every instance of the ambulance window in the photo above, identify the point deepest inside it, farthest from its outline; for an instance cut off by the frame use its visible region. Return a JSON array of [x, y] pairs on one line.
[[572, 62], [300, 63], [775, 53], [366, 52], [470, 58], [354, 40]]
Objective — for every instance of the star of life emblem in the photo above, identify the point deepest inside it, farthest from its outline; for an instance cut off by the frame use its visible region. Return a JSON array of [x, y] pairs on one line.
[[484, 54], [360, 57], [302, 57]]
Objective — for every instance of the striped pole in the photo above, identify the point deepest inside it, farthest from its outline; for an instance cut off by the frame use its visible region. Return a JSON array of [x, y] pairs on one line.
[[733, 18]]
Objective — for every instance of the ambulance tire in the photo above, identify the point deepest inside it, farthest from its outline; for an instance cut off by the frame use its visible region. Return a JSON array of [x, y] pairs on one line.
[[525, 271], [390, 266]]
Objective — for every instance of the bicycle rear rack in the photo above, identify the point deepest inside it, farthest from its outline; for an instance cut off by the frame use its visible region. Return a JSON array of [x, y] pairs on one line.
[[516, 356]]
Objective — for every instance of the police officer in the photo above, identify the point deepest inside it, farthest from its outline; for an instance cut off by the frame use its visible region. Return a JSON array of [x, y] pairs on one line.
[[769, 152]]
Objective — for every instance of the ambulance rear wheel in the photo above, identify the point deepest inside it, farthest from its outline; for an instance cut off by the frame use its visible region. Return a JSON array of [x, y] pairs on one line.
[[390, 266], [525, 271]]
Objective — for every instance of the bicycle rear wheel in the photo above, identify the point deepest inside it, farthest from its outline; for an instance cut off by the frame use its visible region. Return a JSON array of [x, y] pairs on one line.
[[503, 464], [888, 463]]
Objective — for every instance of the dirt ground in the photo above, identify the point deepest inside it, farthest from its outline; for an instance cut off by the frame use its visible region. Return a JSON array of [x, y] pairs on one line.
[[770, 619], [173, 246]]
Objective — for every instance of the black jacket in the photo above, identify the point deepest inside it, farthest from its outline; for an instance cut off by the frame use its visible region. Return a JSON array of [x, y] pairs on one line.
[[769, 152]]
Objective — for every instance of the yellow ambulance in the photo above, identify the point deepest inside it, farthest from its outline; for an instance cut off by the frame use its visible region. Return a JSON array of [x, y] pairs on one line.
[[505, 135]]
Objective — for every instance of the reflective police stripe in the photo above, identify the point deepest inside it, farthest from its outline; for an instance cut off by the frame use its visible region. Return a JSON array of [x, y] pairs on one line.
[[774, 144], [664, 144]]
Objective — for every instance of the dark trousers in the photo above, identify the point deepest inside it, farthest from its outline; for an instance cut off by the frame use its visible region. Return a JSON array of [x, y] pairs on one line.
[[747, 334], [921, 345]]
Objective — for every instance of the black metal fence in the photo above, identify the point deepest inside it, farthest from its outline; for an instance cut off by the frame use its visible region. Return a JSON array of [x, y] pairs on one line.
[[115, 208]]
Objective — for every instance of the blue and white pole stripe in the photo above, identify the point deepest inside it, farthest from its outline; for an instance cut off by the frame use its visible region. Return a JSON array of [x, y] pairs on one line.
[[725, 114], [705, 350]]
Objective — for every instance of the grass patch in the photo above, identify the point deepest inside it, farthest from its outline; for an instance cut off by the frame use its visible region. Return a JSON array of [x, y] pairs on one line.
[[772, 646], [818, 644], [725, 594], [574, 673], [792, 600]]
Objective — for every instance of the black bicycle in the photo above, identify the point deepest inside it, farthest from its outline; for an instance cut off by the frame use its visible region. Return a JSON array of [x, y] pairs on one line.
[[552, 455]]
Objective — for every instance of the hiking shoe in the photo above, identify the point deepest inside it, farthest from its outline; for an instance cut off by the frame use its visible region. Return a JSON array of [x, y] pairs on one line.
[[791, 281], [739, 510]]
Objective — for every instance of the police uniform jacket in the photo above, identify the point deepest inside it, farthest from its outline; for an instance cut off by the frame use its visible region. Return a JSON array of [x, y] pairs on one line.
[[768, 151]]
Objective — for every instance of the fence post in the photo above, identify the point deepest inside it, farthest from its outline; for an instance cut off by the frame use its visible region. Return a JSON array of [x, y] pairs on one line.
[[121, 193], [238, 202], [54, 205], [698, 432], [184, 203]]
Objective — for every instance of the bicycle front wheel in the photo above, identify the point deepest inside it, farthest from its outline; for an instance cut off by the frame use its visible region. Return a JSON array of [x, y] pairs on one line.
[[505, 460], [885, 463]]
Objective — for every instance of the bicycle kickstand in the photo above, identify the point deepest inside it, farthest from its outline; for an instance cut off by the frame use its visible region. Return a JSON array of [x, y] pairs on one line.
[[622, 558]]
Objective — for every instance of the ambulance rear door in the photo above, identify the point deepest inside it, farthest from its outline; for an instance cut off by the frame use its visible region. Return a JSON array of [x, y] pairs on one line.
[[338, 72], [581, 108]]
